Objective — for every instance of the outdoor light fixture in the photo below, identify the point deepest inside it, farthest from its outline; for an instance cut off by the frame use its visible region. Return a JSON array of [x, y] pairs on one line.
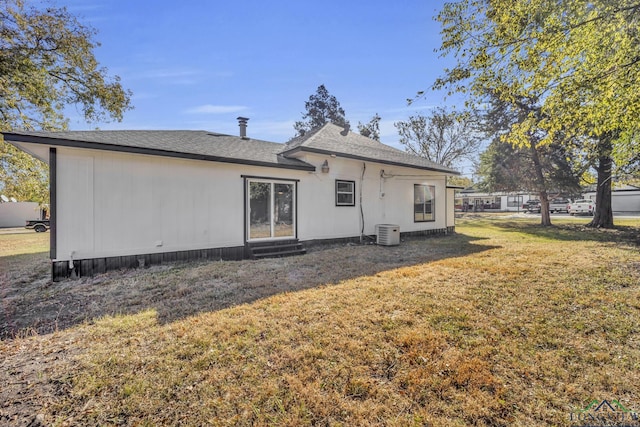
[[325, 167]]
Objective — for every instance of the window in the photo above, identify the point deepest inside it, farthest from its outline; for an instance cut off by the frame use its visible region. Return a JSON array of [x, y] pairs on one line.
[[271, 209], [423, 203], [345, 193], [514, 201]]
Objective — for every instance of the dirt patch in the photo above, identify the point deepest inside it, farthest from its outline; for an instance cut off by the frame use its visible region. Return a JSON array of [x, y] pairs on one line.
[[31, 379]]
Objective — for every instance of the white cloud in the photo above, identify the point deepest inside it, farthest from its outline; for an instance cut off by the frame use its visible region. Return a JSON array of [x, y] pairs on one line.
[[171, 76], [216, 109]]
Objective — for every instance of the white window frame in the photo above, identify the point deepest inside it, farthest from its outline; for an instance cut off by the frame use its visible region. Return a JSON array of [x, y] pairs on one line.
[[352, 192], [432, 193]]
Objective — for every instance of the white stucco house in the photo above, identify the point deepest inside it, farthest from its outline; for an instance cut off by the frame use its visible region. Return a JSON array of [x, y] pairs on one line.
[[126, 198]]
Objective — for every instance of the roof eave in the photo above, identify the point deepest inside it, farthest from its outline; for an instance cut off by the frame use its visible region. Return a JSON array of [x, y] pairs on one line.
[[367, 159], [59, 142]]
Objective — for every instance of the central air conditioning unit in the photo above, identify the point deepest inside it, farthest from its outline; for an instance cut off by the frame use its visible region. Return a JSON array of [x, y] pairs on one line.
[[387, 234]]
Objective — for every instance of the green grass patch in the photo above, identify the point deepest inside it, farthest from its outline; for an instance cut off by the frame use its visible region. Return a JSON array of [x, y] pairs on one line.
[[23, 243]]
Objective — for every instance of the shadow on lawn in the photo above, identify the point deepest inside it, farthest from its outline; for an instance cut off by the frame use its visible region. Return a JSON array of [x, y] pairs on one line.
[[573, 232], [31, 303]]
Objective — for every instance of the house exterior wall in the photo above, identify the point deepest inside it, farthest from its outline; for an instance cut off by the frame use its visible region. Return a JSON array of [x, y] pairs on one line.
[[514, 202], [17, 214], [621, 201], [625, 201], [387, 200], [112, 204], [451, 207]]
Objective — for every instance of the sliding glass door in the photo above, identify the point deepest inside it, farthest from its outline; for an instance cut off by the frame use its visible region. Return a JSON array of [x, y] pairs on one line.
[[271, 209]]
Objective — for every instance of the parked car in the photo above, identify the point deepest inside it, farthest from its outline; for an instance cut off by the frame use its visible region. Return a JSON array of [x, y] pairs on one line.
[[559, 205], [39, 225], [532, 206], [582, 206]]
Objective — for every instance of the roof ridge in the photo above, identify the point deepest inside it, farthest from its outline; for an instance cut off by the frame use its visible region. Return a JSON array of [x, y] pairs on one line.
[[299, 140], [331, 139]]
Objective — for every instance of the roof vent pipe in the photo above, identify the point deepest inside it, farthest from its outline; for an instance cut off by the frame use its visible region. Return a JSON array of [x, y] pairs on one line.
[[242, 122]]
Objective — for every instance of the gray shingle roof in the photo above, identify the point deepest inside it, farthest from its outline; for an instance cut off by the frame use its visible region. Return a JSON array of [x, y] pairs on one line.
[[202, 145], [331, 139], [174, 143]]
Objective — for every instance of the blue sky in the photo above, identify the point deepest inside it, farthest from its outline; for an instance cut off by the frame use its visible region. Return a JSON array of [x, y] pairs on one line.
[[201, 64]]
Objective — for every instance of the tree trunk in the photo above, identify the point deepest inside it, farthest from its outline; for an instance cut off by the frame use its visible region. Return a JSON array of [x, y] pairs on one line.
[[603, 214], [545, 215]]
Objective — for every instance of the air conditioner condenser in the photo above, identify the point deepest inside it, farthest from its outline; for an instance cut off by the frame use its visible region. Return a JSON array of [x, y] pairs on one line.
[[387, 234]]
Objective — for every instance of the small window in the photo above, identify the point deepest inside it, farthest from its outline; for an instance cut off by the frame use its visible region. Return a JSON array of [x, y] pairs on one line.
[[423, 203], [345, 193]]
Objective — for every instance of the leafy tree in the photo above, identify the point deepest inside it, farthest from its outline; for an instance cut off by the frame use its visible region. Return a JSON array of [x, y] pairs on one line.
[[443, 137], [631, 174], [322, 108], [459, 181], [503, 167], [371, 129], [23, 176], [578, 61], [542, 168], [47, 63]]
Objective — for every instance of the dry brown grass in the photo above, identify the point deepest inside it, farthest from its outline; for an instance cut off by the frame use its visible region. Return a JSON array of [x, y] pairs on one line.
[[505, 323]]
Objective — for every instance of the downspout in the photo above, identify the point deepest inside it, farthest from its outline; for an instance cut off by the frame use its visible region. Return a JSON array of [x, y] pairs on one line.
[[53, 205], [364, 168], [446, 207]]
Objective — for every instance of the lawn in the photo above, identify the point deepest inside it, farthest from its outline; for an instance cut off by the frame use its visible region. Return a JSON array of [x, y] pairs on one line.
[[503, 323]]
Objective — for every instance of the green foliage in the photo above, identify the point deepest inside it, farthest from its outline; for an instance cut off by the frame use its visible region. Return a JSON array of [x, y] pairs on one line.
[[444, 137], [371, 129], [47, 63], [322, 108], [510, 167], [459, 181], [22, 176], [504, 167], [579, 62]]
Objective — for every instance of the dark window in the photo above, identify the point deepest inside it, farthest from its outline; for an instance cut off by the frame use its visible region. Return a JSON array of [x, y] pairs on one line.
[[345, 193], [423, 203]]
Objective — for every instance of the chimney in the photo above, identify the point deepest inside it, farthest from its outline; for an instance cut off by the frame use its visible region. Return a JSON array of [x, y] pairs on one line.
[[242, 122]]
